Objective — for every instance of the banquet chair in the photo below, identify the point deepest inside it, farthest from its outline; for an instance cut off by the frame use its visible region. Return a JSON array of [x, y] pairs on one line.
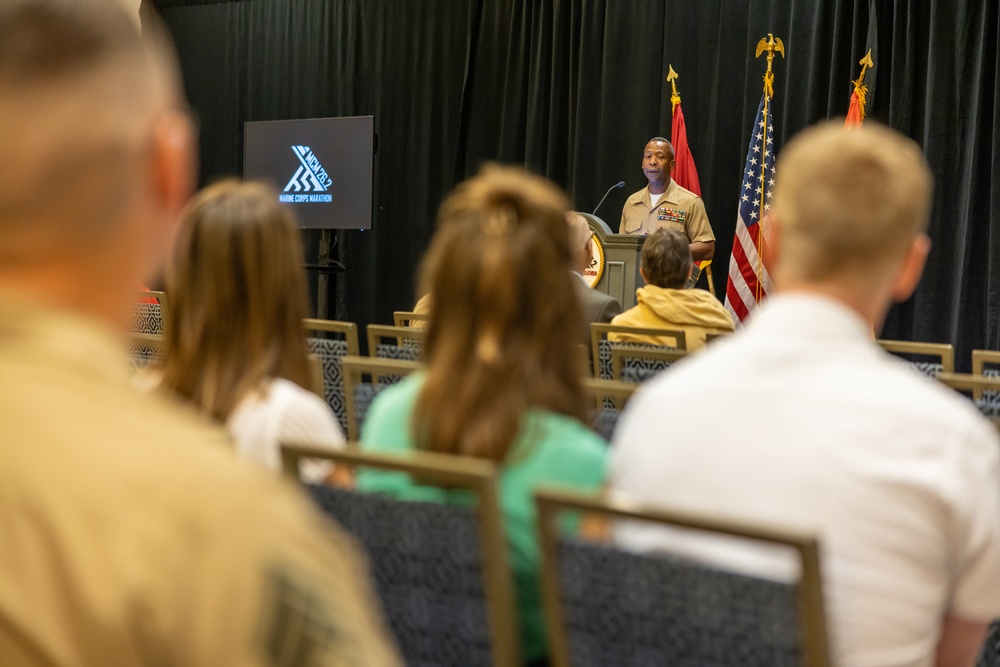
[[391, 342], [330, 341], [601, 346], [439, 565], [149, 312], [607, 400], [364, 378], [606, 605]]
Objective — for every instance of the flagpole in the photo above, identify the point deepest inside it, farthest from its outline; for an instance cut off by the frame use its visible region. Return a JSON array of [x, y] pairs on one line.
[[769, 46]]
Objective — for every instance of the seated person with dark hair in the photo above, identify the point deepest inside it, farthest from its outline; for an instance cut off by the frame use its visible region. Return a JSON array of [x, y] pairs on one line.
[[664, 303]]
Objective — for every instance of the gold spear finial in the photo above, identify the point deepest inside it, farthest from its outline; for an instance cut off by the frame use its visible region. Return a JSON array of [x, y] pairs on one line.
[[859, 85], [675, 97], [770, 45]]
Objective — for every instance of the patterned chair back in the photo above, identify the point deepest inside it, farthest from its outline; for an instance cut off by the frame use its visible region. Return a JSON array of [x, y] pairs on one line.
[[608, 606], [144, 349], [636, 364], [400, 343], [149, 312], [330, 341], [439, 569], [639, 367], [927, 358], [364, 378]]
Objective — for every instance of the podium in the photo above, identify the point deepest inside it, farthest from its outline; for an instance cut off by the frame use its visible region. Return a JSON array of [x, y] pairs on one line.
[[620, 277]]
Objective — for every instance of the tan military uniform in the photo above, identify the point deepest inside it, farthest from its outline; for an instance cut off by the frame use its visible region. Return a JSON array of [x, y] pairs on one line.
[[130, 535], [678, 209]]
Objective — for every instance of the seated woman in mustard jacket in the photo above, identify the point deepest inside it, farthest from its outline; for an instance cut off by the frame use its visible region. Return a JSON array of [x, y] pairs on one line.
[[663, 302]]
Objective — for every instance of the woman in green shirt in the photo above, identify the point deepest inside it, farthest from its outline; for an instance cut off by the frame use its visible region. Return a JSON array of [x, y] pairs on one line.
[[502, 379]]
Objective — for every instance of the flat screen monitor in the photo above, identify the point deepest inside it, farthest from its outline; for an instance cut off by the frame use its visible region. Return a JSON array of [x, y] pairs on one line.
[[321, 167]]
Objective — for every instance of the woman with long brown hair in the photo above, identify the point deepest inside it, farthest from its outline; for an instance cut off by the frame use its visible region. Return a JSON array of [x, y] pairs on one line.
[[234, 344], [503, 365]]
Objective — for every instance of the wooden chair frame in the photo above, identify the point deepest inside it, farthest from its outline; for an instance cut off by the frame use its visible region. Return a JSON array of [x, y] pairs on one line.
[[943, 351], [406, 318], [348, 329], [619, 392], [353, 368], [475, 475], [550, 502], [979, 360], [378, 331], [620, 354]]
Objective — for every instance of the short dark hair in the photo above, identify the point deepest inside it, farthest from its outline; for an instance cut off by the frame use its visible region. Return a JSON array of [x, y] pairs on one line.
[[666, 259], [663, 141]]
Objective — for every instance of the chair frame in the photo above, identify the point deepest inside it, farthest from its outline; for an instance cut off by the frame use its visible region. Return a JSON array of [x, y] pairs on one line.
[[475, 475], [348, 329], [354, 367], [377, 331], [551, 501], [943, 351], [618, 391], [619, 354], [406, 318], [982, 357]]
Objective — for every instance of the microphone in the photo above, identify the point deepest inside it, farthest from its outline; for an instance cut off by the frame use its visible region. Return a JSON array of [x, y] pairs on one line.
[[619, 184]]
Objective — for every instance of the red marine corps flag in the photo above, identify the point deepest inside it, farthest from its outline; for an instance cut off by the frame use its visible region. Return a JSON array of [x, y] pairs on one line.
[[685, 173], [749, 282]]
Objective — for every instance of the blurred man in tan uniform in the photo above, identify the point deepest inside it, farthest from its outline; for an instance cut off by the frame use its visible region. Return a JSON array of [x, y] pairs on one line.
[[129, 535]]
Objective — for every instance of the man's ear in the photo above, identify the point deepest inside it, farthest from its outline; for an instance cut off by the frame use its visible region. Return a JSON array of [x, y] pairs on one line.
[[171, 175], [908, 276], [172, 162], [643, 274]]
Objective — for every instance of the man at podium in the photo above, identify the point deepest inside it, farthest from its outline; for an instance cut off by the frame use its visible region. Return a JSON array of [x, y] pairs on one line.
[[663, 203]]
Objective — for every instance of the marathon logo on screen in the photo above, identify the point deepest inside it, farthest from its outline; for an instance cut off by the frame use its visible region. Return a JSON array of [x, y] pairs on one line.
[[309, 180]]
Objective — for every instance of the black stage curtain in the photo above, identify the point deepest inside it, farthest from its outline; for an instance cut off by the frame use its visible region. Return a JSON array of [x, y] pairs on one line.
[[572, 89]]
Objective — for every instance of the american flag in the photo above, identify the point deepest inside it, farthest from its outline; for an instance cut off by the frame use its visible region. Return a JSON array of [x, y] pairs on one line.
[[749, 281]]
